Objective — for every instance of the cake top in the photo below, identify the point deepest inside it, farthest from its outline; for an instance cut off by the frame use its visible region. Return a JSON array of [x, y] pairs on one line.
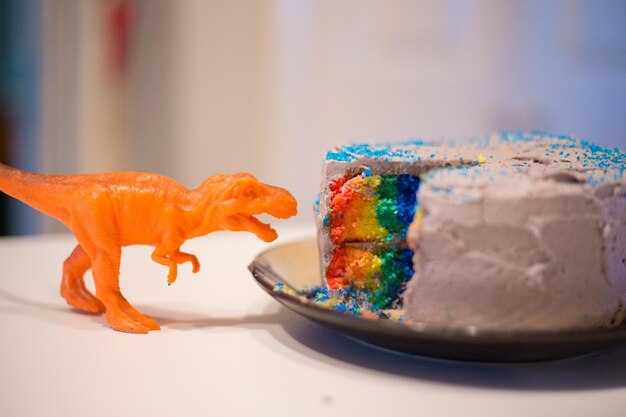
[[418, 149], [539, 165], [492, 157]]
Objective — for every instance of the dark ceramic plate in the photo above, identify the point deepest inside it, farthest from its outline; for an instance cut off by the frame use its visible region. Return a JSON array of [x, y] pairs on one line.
[[296, 265]]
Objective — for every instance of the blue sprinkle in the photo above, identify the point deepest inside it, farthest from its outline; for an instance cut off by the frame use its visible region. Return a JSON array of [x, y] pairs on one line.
[[341, 306], [278, 288]]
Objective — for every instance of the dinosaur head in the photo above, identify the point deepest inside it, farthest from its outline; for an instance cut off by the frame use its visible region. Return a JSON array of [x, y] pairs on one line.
[[246, 197]]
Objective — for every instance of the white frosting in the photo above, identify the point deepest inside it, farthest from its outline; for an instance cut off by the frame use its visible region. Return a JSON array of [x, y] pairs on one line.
[[504, 247]]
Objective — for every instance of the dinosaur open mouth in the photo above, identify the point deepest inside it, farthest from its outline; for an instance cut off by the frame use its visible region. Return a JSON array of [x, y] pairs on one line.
[[259, 224], [250, 223]]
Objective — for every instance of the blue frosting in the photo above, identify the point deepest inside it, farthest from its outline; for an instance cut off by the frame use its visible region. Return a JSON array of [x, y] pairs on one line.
[[386, 151]]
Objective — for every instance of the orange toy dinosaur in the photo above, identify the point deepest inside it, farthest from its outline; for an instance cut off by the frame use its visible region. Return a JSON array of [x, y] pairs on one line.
[[111, 210]]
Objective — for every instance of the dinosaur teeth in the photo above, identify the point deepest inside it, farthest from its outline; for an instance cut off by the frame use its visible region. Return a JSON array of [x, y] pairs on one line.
[[264, 217], [277, 216]]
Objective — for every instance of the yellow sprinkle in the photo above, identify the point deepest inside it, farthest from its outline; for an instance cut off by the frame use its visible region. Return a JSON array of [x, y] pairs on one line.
[[417, 221], [482, 159]]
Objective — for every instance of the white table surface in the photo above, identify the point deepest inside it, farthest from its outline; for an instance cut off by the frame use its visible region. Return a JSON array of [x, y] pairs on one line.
[[227, 348]]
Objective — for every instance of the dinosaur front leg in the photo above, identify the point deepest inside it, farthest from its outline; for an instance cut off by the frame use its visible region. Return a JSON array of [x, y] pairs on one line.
[[169, 257], [73, 286], [160, 256], [119, 313], [182, 257]]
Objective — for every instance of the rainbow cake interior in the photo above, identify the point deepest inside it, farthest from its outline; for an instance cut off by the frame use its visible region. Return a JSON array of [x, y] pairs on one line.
[[367, 201], [367, 220]]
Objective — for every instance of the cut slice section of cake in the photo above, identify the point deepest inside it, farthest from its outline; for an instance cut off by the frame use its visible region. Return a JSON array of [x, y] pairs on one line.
[[367, 202]]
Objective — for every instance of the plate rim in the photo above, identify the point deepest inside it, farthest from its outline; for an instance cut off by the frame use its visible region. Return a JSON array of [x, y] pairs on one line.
[[267, 279]]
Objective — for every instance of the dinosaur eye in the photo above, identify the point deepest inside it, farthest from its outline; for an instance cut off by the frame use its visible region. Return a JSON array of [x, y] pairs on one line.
[[250, 193]]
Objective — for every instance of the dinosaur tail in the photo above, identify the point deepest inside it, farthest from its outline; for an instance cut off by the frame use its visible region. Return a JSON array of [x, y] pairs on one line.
[[35, 190]]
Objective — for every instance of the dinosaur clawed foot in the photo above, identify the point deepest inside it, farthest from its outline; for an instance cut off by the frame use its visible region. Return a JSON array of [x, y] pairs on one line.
[[79, 297], [125, 318]]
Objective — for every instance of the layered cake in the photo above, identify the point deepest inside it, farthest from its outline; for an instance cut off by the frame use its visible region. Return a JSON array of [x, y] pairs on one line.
[[510, 231]]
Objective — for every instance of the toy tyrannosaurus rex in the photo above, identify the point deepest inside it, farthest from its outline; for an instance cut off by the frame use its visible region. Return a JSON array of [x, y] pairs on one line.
[[111, 210]]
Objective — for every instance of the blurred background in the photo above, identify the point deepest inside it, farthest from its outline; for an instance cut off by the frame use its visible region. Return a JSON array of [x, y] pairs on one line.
[[191, 88]]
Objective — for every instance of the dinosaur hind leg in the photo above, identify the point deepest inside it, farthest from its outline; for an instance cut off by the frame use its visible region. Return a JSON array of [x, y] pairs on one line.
[[73, 285], [119, 313]]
